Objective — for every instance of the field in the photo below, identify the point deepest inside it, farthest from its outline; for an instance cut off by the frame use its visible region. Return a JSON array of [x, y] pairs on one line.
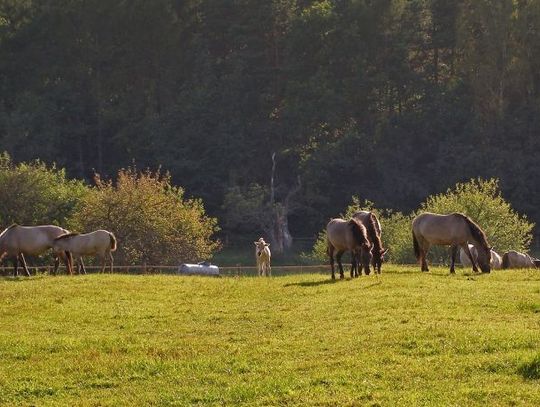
[[296, 340]]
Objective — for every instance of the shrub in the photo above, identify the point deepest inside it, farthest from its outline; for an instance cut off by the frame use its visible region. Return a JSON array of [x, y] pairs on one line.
[[33, 193], [152, 220]]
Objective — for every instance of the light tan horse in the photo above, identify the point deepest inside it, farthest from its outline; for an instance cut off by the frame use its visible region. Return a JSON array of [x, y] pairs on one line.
[[98, 243], [373, 229], [263, 256], [516, 260], [455, 230], [17, 241], [342, 236], [496, 260]]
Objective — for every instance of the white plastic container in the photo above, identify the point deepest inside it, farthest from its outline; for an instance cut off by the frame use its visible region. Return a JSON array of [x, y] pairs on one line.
[[201, 269]]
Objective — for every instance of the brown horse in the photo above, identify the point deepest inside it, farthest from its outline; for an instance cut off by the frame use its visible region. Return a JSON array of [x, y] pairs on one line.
[[455, 230], [373, 229], [17, 241], [342, 236]]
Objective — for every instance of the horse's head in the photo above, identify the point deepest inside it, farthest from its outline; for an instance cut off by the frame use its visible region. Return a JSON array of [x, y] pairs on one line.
[[260, 245], [365, 254], [378, 258], [484, 258]]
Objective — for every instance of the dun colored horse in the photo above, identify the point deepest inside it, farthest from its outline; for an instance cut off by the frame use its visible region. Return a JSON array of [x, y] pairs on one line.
[[100, 243], [516, 260], [342, 236], [455, 230], [17, 241], [373, 229], [496, 260]]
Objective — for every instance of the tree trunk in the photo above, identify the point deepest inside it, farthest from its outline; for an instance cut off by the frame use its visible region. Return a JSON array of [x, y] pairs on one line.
[[280, 236]]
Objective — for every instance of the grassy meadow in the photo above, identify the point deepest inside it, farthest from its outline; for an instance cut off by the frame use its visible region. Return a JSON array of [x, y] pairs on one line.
[[295, 340]]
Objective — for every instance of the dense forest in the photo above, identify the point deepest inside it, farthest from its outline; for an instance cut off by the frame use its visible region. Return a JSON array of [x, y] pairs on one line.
[[277, 112]]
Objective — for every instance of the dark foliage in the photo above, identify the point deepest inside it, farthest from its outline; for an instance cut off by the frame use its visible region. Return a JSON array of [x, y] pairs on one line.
[[390, 100]]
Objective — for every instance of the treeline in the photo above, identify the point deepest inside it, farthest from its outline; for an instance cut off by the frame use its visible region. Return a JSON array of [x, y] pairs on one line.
[[388, 100]]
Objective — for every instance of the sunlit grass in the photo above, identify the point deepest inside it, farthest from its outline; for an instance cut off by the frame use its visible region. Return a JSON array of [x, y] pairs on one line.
[[406, 339]]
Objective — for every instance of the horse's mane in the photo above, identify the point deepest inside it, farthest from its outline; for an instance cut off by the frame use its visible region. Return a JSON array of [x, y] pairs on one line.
[[372, 232], [477, 233], [358, 231], [66, 235], [8, 228]]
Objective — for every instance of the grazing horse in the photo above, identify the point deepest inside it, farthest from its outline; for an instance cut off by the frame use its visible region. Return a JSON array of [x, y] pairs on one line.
[[516, 260], [373, 229], [17, 241], [263, 256], [342, 236], [100, 243], [452, 230], [496, 260]]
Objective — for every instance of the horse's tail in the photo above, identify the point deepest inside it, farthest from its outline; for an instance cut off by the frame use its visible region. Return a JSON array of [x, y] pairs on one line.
[[505, 261], [113, 242], [416, 246]]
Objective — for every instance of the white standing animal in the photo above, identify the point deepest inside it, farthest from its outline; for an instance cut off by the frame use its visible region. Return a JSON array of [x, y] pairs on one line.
[[263, 255], [496, 260], [98, 243]]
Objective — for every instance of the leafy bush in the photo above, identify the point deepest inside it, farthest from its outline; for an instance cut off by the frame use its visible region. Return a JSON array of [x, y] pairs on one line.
[[33, 193], [152, 220]]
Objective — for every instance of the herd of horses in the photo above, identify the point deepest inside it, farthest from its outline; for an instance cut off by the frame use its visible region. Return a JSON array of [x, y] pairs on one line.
[[17, 241], [361, 236]]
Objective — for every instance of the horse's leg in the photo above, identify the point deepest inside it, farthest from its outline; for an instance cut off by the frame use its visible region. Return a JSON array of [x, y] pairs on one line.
[[23, 261], [67, 259], [338, 258], [269, 268], [331, 254], [424, 248], [111, 260], [453, 255], [103, 263], [69, 262], [80, 263], [465, 247], [354, 272], [56, 263], [16, 266]]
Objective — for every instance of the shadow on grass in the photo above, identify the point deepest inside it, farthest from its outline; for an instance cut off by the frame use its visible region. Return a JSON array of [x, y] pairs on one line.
[[326, 282], [313, 283], [530, 370]]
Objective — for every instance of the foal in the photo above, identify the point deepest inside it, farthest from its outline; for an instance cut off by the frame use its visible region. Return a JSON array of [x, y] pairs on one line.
[[263, 255], [99, 242]]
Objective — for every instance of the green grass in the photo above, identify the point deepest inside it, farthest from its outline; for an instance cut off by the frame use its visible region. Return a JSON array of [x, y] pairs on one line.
[[300, 340]]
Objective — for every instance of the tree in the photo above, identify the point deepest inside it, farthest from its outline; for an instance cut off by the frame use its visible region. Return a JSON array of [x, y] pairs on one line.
[[152, 220], [34, 193]]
